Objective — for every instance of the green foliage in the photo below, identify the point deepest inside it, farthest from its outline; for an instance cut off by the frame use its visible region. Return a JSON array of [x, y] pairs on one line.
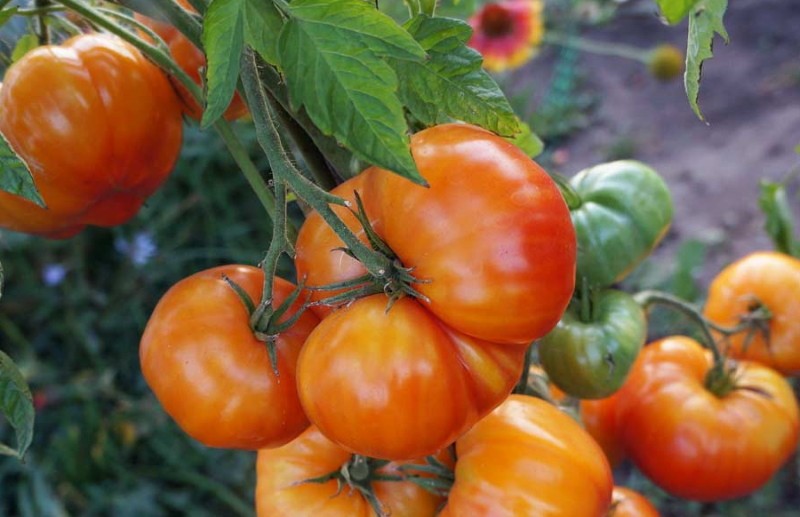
[[262, 24], [223, 41], [704, 23], [15, 176], [676, 10], [16, 403], [451, 84], [331, 53], [779, 222], [25, 44]]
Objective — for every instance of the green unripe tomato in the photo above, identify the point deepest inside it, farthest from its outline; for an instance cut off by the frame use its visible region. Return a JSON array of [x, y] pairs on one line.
[[624, 211], [591, 359]]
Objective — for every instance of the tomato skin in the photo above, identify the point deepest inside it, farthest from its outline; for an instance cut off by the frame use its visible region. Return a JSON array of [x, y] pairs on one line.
[[492, 233], [630, 503], [590, 360], [97, 146], [601, 421], [280, 489], [694, 444], [625, 211], [399, 385], [773, 279], [319, 258], [211, 375], [529, 458], [191, 60]]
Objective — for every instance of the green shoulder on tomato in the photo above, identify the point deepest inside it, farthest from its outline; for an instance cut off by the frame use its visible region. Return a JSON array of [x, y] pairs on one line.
[[625, 209], [589, 355]]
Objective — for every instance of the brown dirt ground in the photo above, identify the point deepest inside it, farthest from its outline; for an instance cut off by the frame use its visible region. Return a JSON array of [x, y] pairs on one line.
[[750, 96]]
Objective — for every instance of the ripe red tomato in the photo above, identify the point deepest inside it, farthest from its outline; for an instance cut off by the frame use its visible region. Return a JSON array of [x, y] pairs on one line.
[[529, 458], [191, 60], [281, 490], [770, 279], [212, 376], [698, 445], [630, 503], [97, 146], [492, 235], [399, 385]]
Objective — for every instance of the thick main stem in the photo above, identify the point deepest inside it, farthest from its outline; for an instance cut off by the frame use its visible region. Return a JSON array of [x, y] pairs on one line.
[[283, 170]]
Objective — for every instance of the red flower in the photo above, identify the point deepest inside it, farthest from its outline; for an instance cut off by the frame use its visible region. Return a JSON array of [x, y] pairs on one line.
[[507, 33]]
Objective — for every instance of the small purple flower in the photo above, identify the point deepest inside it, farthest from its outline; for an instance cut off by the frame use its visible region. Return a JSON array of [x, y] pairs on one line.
[[139, 250], [53, 274]]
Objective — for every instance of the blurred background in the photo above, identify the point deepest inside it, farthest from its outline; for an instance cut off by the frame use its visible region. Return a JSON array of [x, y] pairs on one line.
[[72, 311]]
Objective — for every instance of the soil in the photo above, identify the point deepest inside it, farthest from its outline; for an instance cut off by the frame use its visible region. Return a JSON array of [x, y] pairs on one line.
[[749, 94]]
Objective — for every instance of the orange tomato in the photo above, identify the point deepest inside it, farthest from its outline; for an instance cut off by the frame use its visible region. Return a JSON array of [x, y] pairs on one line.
[[770, 279], [210, 373], [97, 146], [281, 490], [630, 503], [399, 384], [529, 458], [696, 444]]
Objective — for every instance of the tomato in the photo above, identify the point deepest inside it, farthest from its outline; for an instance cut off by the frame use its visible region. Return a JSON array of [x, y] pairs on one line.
[[97, 146], [491, 238], [625, 211], [591, 359], [281, 490], [320, 258], [767, 279], [630, 503], [529, 458], [698, 445], [191, 60], [601, 421], [399, 384], [492, 234], [212, 376]]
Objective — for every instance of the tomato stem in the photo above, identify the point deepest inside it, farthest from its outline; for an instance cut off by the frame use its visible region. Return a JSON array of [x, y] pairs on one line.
[[596, 47], [42, 7], [652, 297], [377, 264]]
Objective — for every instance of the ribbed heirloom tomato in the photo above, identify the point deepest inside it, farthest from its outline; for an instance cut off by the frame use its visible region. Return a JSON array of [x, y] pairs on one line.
[[210, 373], [630, 503], [399, 385], [698, 444], [98, 125], [191, 60], [282, 487], [529, 458], [768, 280], [491, 237]]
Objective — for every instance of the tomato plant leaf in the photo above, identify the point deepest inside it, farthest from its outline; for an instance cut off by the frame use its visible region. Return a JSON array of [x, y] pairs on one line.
[[15, 176], [527, 140], [704, 22], [779, 222], [25, 44], [676, 10], [7, 13], [16, 403], [223, 40], [262, 24], [331, 54], [451, 84]]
